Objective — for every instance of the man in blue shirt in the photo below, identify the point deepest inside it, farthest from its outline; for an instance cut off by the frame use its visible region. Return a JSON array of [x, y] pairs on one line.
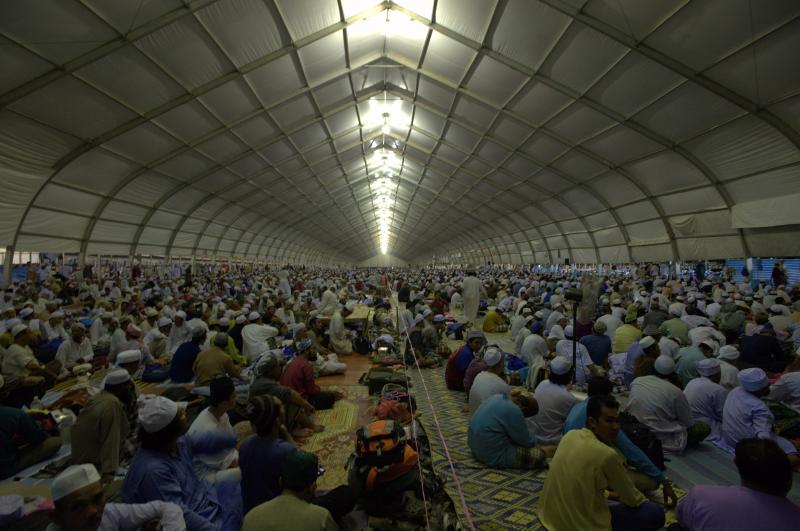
[[646, 475], [162, 469], [182, 368], [498, 434], [598, 344]]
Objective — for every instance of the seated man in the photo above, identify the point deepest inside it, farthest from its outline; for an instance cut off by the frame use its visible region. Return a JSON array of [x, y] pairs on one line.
[[643, 472], [214, 361], [181, 369], [297, 416], [221, 466], [745, 415], [661, 406], [293, 509], [598, 344], [80, 505], [77, 349], [555, 402], [341, 338], [19, 363], [490, 381], [786, 389], [459, 361], [263, 455], [585, 367], [15, 427], [707, 397], [495, 322], [585, 465], [299, 375], [498, 434], [759, 503], [99, 434], [162, 469]]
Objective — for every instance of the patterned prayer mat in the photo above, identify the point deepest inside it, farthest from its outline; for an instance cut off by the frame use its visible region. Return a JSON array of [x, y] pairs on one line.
[[335, 445], [495, 499]]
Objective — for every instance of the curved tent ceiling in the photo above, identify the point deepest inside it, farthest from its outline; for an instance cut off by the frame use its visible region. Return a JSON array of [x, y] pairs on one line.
[[513, 130]]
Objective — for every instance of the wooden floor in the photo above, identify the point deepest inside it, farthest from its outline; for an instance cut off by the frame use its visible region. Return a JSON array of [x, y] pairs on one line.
[[356, 366]]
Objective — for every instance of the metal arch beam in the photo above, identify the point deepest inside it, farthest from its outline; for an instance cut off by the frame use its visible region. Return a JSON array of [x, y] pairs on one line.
[[102, 51], [679, 68], [542, 165], [600, 108], [150, 115], [513, 151], [534, 129]]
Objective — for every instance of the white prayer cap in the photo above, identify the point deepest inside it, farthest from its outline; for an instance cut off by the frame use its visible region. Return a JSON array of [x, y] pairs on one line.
[[647, 342], [25, 312], [492, 356], [386, 338], [775, 308], [539, 314], [526, 311], [11, 323], [180, 314], [569, 331], [129, 356], [73, 479], [240, 319], [676, 309], [151, 312], [350, 306], [615, 302], [665, 365], [198, 330], [17, 330], [438, 318], [56, 314], [753, 380], [116, 377], [106, 315], [728, 352], [560, 365], [156, 412], [708, 367], [157, 334], [254, 316], [426, 312], [164, 321]]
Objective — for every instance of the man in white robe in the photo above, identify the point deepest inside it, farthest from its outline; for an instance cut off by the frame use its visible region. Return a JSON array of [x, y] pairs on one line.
[[471, 288], [706, 396], [255, 336], [341, 338]]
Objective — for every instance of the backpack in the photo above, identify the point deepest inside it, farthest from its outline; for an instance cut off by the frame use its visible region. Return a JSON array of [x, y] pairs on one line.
[[362, 345], [380, 443], [644, 438]]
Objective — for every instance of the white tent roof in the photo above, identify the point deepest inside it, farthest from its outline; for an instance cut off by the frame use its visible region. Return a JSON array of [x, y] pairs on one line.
[[521, 130]]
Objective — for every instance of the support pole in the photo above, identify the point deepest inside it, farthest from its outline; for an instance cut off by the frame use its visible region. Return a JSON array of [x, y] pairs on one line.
[[8, 266]]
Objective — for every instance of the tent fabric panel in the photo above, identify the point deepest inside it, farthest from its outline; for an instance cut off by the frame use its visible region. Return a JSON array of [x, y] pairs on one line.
[[111, 231], [57, 224], [123, 212]]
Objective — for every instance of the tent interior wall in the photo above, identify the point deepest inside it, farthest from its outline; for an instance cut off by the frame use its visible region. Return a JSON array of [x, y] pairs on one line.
[[305, 131]]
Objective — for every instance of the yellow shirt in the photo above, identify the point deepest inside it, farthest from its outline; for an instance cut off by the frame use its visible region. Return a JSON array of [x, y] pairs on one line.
[[583, 468], [624, 336], [492, 321]]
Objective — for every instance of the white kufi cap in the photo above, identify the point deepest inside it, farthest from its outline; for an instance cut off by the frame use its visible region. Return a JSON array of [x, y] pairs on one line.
[[73, 479], [156, 412]]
